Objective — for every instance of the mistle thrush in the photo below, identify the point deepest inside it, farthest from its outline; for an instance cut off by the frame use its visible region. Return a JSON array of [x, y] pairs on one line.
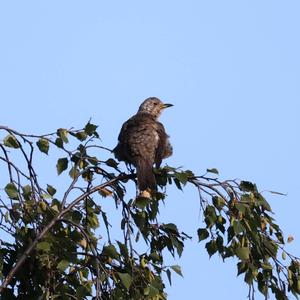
[[143, 142]]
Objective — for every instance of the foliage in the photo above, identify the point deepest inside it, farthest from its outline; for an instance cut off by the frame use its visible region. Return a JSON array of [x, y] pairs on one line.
[[52, 243]]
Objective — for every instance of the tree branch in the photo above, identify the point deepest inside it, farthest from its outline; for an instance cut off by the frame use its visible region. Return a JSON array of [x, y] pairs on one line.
[[57, 218]]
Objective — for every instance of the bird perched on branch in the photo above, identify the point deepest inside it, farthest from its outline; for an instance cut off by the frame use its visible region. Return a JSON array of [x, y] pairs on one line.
[[143, 142]]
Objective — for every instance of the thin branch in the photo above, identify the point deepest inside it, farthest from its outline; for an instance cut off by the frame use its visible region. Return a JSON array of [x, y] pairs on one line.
[[57, 218]]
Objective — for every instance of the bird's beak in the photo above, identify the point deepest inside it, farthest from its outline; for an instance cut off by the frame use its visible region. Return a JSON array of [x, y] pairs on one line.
[[166, 105]]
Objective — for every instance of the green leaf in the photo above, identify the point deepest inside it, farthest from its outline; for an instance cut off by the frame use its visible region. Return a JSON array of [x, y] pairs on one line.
[[170, 226], [298, 285], [245, 198], [59, 143], [179, 246], [266, 266], [62, 265], [141, 202], [271, 246], [12, 191], [55, 208], [76, 216], [112, 163], [213, 170], [230, 233], [247, 186], [211, 212], [153, 291], [211, 247], [111, 251], [182, 177], [154, 257], [242, 267], [43, 145], [73, 172], [219, 242], [146, 291], [218, 202], [27, 189], [11, 141], [51, 190], [139, 219], [126, 279], [283, 255], [45, 246], [62, 164], [93, 160], [238, 227], [63, 134], [210, 216], [81, 292], [262, 284], [177, 269], [177, 183], [202, 234], [93, 221], [242, 253], [85, 273], [241, 207], [263, 202], [81, 136], [169, 276], [248, 277], [123, 249], [90, 128]]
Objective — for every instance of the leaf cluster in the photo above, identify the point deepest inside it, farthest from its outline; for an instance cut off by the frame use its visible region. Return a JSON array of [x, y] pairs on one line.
[[59, 242]]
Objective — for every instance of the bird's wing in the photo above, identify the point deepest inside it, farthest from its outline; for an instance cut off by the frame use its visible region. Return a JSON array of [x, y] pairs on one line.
[[164, 148], [121, 150], [138, 137]]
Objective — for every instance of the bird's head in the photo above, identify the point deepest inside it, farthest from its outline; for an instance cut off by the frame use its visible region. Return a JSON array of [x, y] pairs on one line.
[[153, 106]]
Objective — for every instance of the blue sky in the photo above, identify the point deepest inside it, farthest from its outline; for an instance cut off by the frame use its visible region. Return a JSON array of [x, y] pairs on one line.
[[231, 69]]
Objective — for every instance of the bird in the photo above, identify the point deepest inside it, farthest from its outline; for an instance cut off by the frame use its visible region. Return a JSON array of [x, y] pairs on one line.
[[143, 142]]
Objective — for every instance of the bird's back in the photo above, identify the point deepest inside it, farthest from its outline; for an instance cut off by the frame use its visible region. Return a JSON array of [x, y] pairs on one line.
[[143, 142], [138, 137]]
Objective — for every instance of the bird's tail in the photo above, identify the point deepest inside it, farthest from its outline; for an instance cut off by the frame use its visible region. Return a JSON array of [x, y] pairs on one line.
[[145, 175]]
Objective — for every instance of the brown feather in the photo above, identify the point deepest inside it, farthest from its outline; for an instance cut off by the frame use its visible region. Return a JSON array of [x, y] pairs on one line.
[[143, 142], [145, 175]]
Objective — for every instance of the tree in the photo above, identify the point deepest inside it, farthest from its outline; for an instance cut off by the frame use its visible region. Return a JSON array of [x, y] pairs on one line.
[[57, 242]]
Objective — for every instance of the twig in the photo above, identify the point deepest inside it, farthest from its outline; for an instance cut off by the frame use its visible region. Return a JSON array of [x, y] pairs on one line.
[[58, 217]]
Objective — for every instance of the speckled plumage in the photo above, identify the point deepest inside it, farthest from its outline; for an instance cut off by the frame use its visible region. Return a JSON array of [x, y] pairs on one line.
[[143, 142]]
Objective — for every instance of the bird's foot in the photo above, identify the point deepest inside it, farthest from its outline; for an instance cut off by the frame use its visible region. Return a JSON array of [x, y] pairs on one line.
[[145, 194]]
